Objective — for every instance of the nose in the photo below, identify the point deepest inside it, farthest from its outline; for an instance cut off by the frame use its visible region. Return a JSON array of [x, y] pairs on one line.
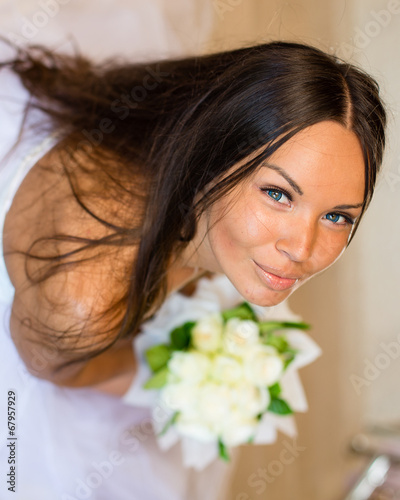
[[298, 240]]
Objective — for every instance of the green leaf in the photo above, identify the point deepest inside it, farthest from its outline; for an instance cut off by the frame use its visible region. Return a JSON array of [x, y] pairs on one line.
[[271, 326], [280, 407], [300, 325], [277, 341], [158, 380], [274, 390], [280, 343], [170, 422], [268, 327], [242, 311], [289, 356], [180, 336], [223, 452], [158, 356]]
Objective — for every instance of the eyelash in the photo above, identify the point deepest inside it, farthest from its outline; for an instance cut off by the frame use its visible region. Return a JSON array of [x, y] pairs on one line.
[[346, 217]]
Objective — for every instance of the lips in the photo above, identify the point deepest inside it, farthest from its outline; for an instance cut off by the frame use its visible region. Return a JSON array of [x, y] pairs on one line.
[[275, 281]]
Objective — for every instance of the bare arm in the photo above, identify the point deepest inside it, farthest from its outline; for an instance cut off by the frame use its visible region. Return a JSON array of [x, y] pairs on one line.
[[111, 371], [42, 207]]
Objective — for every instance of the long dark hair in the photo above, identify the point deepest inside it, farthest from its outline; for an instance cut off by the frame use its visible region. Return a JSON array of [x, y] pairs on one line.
[[176, 125]]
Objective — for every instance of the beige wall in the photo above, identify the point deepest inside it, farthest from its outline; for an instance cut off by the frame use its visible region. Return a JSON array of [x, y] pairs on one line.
[[354, 305], [379, 239]]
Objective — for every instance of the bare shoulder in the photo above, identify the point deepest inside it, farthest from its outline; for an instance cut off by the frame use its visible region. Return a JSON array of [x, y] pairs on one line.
[[75, 299], [45, 205]]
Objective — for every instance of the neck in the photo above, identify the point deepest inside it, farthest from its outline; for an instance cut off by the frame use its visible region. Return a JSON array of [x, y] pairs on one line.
[[180, 277]]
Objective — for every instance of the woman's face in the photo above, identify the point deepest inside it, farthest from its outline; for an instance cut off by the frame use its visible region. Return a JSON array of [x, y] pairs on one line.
[[291, 220]]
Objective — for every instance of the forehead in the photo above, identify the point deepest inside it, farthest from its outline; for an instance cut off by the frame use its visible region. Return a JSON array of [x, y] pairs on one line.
[[322, 155]]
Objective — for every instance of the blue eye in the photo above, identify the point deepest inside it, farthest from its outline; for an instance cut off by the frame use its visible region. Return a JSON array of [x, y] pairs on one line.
[[276, 194], [334, 217]]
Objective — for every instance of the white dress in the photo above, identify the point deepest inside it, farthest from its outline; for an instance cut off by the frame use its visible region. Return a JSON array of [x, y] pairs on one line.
[[74, 444]]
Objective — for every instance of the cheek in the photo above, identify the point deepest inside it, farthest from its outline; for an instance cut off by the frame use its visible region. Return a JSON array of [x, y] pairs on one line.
[[250, 226], [244, 230], [233, 234], [330, 248], [256, 224]]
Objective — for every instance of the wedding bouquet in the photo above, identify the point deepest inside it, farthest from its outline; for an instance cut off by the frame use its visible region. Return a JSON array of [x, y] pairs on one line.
[[221, 374], [211, 380]]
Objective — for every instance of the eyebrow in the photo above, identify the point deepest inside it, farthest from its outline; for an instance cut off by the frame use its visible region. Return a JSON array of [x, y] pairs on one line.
[[286, 176], [298, 189], [345, 207]]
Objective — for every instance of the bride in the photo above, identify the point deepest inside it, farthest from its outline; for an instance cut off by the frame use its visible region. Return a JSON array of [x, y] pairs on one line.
[[257, 164]]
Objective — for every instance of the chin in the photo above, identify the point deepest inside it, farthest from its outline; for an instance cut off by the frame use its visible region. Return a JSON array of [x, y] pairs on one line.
[[262, 296], [268, 301]]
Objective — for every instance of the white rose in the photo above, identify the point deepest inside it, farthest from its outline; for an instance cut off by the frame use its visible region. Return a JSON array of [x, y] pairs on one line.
[[194, 428], [215, 404], [250, 400], [226, 369], [181, 397], [239, 335], [207, 333], [262, 365], [189, 366], [238, 429]]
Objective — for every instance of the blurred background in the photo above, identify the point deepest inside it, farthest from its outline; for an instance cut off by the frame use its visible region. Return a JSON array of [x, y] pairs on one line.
[[354, 306]]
